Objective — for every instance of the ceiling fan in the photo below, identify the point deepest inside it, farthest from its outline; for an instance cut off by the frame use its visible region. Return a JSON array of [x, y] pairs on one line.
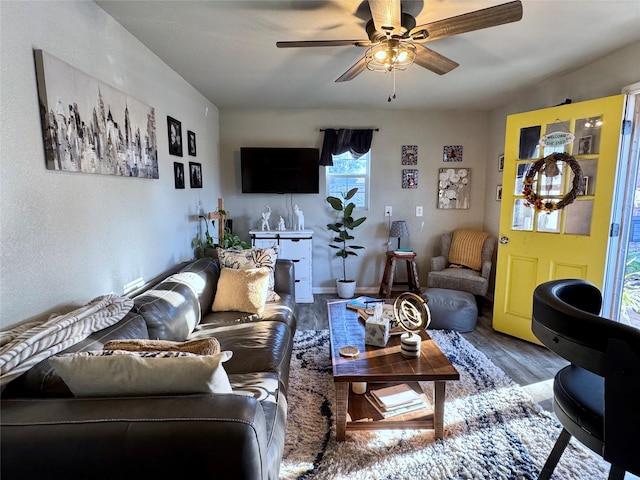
[[394, 41]]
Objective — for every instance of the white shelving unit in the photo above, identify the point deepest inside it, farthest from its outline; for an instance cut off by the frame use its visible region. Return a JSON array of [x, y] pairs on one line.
[[293, 245]]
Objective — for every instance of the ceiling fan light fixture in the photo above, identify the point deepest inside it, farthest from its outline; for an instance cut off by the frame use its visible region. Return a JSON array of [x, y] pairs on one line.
[[389, 55]]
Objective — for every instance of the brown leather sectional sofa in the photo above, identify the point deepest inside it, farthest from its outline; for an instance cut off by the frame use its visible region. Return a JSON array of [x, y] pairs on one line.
[[45, 432]]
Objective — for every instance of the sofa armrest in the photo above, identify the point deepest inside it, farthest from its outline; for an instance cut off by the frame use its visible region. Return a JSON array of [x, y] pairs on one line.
[[438, 263], [486, 270], [285, 277], [211, 436]]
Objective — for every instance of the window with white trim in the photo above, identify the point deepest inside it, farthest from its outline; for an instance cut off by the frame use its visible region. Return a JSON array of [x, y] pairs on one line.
[[348, 172]]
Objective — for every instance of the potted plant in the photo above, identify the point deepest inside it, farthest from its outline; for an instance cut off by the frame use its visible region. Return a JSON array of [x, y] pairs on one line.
[[342, 226], [206, 247]]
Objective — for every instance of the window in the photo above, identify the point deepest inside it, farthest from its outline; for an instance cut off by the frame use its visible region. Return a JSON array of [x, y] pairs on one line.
[[347, 173]]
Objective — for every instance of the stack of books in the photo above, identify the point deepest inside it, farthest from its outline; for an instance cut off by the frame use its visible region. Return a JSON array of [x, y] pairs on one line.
[[398, 400], [403, 251]]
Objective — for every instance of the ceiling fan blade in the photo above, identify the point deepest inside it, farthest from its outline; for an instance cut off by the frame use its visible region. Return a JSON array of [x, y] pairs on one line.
[[324, 43], [468, 22], [386, 15], [359, 67], [427, 58]]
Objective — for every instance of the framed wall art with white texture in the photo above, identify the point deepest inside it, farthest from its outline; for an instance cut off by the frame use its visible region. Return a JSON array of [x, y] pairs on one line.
[[90, 127], [454, 188]]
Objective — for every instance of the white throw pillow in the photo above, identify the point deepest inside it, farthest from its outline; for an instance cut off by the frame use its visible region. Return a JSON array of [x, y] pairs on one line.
[[110, 373]]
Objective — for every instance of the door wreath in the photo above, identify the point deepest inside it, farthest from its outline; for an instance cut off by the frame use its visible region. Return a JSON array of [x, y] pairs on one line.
[[547, 165]]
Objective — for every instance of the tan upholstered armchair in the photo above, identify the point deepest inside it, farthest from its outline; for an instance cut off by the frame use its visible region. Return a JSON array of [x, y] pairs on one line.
[[464, 263]]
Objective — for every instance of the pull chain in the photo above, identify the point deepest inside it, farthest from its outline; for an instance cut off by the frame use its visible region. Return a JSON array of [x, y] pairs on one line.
[[394, 88]]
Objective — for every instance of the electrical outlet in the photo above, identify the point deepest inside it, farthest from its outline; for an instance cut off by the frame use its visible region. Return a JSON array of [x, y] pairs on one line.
[[419, 211], [388, 211]]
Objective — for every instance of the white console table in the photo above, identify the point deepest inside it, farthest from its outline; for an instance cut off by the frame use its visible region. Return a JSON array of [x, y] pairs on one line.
[[293, 245]]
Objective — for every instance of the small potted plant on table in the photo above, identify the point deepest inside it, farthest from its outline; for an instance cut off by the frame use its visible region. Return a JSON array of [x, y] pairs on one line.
[[342, 226]]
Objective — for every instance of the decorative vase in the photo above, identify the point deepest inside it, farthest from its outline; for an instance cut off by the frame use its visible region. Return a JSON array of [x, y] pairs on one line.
[[346, 288]]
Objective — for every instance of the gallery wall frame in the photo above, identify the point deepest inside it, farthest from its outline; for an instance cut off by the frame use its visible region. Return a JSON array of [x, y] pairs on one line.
[[452, 153], [410, 178], [500, 163], [174, 136], [178, 175], [191, 143], [499, 193], [409, 155], [89, 126], [584, 145], [195, 175]]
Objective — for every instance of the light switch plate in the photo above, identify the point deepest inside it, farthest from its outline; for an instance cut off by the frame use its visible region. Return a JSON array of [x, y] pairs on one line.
[[388, 211], [419, 211]]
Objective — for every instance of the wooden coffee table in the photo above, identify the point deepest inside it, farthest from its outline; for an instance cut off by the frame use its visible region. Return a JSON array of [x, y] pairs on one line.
[[378, 366]]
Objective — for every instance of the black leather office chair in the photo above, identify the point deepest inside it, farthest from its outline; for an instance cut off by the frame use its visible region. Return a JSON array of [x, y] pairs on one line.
[[596, 397]]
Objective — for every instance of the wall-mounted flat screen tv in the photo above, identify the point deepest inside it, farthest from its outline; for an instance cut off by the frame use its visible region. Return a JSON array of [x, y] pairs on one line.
[[279, 170]]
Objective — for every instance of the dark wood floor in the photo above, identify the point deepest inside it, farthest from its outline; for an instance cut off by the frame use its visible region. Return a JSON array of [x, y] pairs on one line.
[[530, 365]]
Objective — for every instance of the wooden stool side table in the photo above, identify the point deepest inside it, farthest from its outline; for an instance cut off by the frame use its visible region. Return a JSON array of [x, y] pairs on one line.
[[413, 283]]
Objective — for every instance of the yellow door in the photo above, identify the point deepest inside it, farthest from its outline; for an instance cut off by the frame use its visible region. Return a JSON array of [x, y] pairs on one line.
[[537, 245]]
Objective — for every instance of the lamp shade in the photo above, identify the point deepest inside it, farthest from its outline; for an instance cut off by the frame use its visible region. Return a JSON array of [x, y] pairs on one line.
[[399, 229]]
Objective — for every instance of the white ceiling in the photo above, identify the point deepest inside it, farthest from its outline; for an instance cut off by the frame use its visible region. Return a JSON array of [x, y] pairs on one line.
[[227, 51]]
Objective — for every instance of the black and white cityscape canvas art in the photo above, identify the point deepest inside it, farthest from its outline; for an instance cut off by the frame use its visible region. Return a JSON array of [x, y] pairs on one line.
[[91, 127]]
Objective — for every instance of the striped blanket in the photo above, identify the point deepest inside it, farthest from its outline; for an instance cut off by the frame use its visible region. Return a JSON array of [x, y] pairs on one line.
[[27, 344]]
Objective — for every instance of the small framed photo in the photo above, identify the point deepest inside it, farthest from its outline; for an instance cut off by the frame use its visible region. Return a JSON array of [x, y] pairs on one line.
[[191, 143], [410, 178], [409, 155], [585, 185], [584, 145], [195, 174], [452, 153], [174, 130], [499, 193], [178, 174], [501, 163]]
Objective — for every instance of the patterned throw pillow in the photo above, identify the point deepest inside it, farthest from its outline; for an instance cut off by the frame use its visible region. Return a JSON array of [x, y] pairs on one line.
[[109, 373], [253, 258]]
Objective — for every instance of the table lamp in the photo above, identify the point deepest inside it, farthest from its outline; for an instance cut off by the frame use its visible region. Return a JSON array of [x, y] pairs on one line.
[[399, 229]]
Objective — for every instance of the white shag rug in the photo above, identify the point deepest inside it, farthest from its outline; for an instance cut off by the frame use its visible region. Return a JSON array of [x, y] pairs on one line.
[[493, 429]]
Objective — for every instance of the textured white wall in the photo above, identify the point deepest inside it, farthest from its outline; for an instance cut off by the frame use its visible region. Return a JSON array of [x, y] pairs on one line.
[[68, 237], [430, 130]]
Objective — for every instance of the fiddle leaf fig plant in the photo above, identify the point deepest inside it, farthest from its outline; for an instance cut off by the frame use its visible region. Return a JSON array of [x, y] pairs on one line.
[[343, 226]]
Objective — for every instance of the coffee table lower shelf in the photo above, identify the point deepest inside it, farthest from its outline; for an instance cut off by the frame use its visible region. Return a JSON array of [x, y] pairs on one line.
[[355, 413]]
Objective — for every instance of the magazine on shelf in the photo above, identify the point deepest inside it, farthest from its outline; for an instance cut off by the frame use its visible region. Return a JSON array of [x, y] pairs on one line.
[[422, 406], [395, 396]]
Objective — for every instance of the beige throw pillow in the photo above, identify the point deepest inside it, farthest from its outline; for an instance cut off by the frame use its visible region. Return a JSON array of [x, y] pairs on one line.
[[242, 290], [466, 248], [253, 258], [111, 373]]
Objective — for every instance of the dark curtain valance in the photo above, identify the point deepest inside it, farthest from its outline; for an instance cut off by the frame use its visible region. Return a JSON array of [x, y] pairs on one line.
[[358, 142]]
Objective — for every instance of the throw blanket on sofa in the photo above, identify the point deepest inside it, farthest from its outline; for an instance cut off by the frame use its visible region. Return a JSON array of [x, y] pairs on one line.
[[25, 345]]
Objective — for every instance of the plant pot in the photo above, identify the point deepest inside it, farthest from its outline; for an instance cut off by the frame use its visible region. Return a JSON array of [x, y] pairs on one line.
[[346, 288]]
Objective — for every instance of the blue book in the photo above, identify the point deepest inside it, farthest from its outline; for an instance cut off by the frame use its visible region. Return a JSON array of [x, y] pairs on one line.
[[363, 302]]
